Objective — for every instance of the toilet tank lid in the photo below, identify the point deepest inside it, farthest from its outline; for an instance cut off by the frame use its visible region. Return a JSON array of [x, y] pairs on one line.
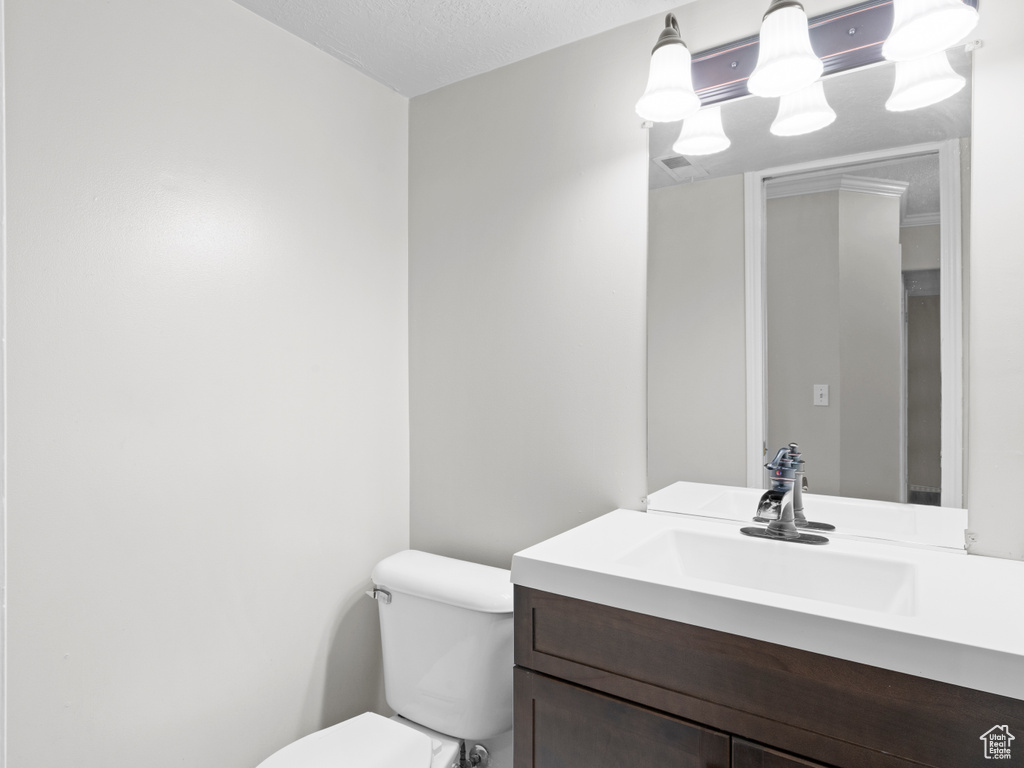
[[446, 580]]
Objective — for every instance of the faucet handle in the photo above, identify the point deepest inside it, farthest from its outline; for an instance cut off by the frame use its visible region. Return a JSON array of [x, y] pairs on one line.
[[793, 456], [779, 461], [783, 469]]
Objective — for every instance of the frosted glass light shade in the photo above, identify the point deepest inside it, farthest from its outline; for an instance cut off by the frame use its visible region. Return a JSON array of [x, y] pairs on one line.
[[924, 27], [922, 82], [702, 134], [785, 61], [802, 112], [669, 96]]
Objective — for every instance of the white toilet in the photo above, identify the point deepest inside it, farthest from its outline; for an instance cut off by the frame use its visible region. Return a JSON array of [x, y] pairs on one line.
[[446, 636]]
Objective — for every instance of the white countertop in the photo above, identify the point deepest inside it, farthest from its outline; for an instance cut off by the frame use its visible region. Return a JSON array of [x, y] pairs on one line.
[[958, 619]]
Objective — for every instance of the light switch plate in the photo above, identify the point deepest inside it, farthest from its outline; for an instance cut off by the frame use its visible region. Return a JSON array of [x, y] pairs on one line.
[[821, 394]]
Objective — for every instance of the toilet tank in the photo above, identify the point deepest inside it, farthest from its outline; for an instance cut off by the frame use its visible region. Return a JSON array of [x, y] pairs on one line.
[[446, 637]]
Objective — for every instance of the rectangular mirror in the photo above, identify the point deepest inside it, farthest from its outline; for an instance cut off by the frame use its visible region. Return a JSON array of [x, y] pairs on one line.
[[763, 305]]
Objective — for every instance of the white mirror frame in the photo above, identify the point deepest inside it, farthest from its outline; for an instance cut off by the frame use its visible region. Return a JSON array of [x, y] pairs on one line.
[[950, 306]]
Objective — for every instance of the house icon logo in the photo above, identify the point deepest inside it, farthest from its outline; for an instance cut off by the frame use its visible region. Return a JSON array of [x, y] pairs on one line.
[[997, 742]]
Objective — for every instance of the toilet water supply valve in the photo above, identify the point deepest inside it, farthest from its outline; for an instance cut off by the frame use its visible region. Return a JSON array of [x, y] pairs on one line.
[[477, 757]]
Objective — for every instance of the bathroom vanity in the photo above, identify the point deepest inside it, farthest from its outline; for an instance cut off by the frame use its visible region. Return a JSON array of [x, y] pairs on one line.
[[632, 647]]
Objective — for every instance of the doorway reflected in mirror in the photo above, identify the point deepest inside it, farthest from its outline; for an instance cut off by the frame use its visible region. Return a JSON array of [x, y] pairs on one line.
[[852, 362]]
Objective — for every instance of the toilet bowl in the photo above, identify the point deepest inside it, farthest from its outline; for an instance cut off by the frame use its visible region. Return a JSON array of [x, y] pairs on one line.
[[446, 641]]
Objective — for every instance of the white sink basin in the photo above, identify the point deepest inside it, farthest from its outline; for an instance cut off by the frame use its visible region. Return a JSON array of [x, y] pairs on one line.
[[785, 568]]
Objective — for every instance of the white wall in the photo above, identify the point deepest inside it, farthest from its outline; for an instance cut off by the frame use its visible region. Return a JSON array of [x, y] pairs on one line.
[[996, 461], [528, 211], [871, 328], [207, 382], [802, 331], [527, 256], [920, 246], [3, 399], [696, 389]]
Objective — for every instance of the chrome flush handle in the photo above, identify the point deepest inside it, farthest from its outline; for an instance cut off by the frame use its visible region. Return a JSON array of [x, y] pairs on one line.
[[379, 594]]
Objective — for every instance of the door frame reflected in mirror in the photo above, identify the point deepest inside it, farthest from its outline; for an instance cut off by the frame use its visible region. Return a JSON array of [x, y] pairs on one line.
[[950, 303]]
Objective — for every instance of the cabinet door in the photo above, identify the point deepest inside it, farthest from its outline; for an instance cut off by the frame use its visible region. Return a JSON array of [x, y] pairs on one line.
[[558, 725], [748, 755]]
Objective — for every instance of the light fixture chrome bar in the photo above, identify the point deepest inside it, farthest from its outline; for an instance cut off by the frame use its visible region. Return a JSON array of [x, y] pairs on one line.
[[845, 40]]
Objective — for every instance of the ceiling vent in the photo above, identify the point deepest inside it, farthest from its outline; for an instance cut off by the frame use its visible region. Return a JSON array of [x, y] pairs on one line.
[[679, 168]]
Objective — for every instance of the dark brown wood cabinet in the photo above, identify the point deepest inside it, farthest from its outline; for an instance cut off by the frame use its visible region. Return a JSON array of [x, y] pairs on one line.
[[600, 686]]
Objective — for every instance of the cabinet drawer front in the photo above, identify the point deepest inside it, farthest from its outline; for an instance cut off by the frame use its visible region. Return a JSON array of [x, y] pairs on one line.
[[748, 755], [562, 726], [838, 712]]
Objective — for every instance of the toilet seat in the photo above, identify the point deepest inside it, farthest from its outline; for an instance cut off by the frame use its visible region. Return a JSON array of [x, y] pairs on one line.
[[367, 741]]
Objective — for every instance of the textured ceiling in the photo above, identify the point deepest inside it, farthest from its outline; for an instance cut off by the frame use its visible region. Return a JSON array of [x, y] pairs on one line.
[[415, 46]]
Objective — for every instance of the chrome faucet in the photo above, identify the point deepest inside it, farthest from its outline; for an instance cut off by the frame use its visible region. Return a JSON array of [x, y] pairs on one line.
[[783, 474], [787, 473], [782, 505]]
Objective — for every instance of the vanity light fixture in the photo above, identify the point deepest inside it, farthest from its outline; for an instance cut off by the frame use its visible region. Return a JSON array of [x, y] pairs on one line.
[[669, 95], [702, 134], [923, 82], [924, 27], [802, 112], [785, 60], [843, 40]]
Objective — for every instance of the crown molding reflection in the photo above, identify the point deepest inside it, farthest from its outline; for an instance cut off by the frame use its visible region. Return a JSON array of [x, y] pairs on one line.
[[930, 219], [841, 182]]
